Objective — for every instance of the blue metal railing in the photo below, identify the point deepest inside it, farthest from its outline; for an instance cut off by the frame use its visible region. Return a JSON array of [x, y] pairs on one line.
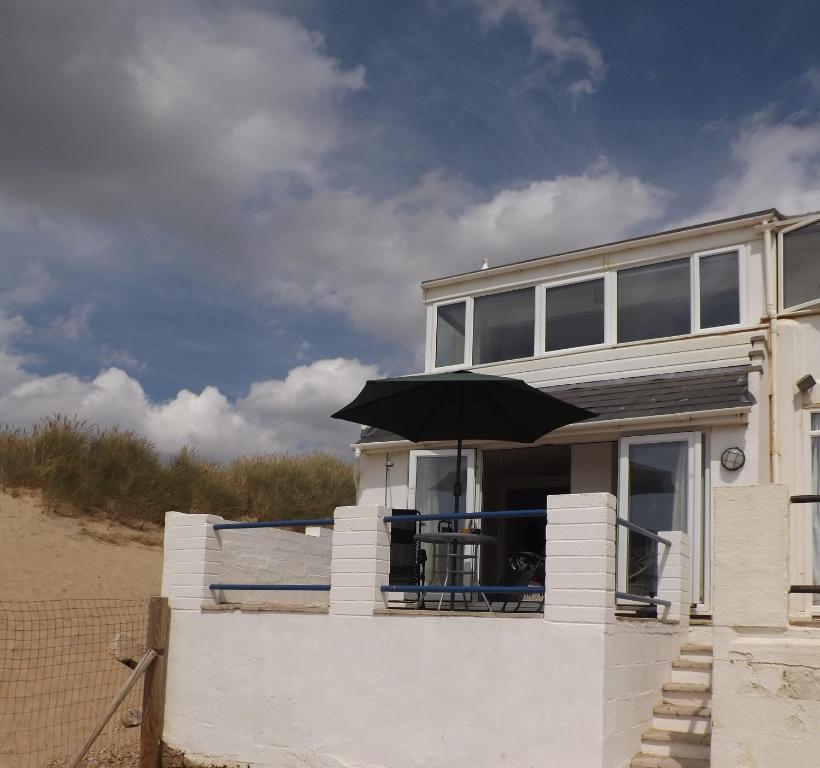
[[467, 515], [273, 587], [455, 589], [274, 524], [649, 599]]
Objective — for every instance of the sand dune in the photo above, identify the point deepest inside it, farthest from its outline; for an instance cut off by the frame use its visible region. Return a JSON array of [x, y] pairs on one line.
[[45, 556]]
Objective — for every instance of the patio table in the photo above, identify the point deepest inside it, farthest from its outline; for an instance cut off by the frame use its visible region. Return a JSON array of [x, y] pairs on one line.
[[454, 540]]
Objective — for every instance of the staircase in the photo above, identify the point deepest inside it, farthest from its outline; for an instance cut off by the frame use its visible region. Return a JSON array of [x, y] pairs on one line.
[[680, 734]]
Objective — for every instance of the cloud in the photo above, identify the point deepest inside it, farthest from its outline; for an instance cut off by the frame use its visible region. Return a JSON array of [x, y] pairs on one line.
[[76, 324], [121, 358], [776, 165], [290, 414], [554, 33]]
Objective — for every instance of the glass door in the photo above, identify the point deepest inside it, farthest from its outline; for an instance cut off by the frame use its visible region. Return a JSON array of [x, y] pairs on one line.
[[430, 490], [659, 489]]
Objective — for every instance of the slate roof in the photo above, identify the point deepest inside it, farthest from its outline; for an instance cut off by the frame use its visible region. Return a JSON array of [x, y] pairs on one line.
[[638, 396]]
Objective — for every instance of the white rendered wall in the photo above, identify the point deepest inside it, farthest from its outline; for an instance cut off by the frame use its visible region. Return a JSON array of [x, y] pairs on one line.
[[592, 468], [766, 687], [370, 689], [372, 475]]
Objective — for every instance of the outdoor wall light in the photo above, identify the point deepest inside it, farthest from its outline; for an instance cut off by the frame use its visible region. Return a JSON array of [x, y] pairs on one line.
[[806, 383], [732, 459]]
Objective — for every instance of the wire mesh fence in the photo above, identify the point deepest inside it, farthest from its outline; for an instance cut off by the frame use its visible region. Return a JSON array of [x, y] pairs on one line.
[[61, 663]]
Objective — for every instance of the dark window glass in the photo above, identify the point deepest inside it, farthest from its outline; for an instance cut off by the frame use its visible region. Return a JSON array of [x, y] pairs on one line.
[[450, 334], [575, 315], [801, 266], [719, 290], [654, 301], [504, 326]]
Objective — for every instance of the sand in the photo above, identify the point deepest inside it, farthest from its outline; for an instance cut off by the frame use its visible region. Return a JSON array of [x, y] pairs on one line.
[[46, 556]]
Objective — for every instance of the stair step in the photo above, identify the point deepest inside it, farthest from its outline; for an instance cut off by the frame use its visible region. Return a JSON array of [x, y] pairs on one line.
[[705, 666], [676, 724], [674, 744], [655, 761], [668, 709], [688, 688], [696, 648]]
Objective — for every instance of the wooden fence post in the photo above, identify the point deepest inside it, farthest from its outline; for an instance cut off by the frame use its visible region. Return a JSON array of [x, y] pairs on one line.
[[153, 696]]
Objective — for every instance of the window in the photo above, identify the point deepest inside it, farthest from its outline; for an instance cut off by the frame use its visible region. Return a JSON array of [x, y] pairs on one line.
[[575, 315], [659, 489], [801, 266], [504, 326], [815, 520], [654, 301], [719, 298], [450, 326]]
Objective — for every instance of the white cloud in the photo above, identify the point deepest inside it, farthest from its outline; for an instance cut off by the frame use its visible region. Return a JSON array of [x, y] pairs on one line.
[[76, 324], [777, 165], [121, 358], [553, 32], [291, 414]]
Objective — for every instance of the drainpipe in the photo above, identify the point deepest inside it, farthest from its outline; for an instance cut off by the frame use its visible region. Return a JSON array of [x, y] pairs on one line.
[[770, 274]]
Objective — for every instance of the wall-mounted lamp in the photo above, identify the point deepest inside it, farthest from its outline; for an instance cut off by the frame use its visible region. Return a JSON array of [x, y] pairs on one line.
[[733, 459], [806, 383]]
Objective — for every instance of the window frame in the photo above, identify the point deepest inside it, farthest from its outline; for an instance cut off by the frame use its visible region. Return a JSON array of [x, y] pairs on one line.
[[468, 335], [739, 250], [695, 506], [781, 274], [541, 334]]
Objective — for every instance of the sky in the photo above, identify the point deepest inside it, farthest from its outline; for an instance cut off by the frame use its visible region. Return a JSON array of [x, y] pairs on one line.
[[214, 217]]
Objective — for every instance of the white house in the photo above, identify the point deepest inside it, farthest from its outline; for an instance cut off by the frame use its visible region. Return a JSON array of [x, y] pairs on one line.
[[696, 348]]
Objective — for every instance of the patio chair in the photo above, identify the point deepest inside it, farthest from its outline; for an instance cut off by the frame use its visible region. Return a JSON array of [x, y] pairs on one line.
[[521, 567]]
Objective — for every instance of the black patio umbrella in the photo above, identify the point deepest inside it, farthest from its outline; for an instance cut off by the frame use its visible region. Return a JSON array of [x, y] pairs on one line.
[[460, 406]]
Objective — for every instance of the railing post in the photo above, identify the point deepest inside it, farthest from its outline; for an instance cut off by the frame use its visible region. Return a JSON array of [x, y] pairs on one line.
[[675, 578], [360, 560], [580, 563]]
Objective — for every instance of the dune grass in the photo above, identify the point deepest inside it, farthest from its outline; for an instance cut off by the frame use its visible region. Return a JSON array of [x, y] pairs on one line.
[[80, 468]]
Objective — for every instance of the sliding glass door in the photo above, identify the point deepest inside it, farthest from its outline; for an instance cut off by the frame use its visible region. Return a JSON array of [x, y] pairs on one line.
[[659, 489]]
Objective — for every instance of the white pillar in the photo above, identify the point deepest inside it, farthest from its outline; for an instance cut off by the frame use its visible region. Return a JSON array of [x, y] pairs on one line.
[[360, 560], [580, 563], [192, 559], [675, 577]]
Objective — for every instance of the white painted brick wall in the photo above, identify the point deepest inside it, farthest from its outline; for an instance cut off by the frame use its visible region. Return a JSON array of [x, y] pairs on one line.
[[674, 577], [360, 563], [192, 559], [580, 563], [197, 556]]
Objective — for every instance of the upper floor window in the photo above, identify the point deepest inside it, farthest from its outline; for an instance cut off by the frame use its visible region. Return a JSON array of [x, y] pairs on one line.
[[504, 326], [574, 315], [450, 334], [719, 289], [654, 301], [801, 266]]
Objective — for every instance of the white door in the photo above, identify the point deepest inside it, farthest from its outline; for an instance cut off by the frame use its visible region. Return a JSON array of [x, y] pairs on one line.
[[659, 488], [430, 491]]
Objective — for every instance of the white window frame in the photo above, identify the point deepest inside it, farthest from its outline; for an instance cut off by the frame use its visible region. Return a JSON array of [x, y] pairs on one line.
[[740, 251], [694, 512], [468, 335], [538, 313], [542, 317], [780, 270], [806, 522]]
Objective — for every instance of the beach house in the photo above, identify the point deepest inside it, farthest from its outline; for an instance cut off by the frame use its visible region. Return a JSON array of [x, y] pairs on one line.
[[665, 553]]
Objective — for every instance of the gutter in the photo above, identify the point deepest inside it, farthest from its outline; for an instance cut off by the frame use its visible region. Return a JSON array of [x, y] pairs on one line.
[[711, 418]]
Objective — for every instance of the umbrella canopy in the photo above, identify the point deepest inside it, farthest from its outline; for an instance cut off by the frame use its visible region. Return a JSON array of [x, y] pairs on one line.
[[460, 406]]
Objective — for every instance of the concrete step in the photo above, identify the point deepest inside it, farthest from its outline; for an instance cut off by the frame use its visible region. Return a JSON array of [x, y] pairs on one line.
[[688, 671], [687, 694], [673, 744], [655, 761], [681, 710], [682, 723]]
